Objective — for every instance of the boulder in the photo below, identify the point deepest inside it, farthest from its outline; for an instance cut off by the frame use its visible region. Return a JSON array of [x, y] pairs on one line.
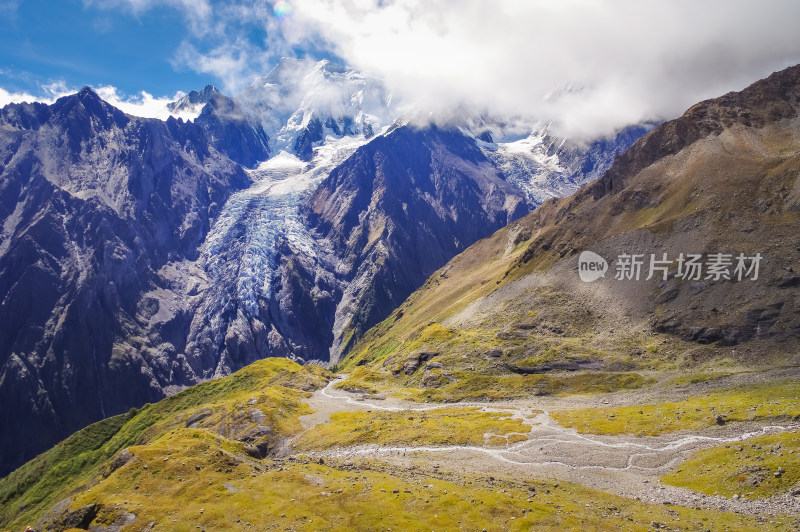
[[195, 419], [415, 360]]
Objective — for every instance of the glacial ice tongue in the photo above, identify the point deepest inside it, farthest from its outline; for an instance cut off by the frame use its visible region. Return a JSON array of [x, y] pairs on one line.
[[241, 249]]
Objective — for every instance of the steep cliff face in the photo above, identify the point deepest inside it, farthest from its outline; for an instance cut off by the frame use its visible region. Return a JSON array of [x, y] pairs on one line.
[[232, 131], [94, 204], [397, 211]]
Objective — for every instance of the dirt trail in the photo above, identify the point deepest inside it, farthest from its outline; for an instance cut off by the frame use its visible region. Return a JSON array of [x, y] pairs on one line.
[[624, 465]]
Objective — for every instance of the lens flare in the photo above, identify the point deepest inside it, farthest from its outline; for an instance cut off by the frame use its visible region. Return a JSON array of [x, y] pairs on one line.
[[282, 9]]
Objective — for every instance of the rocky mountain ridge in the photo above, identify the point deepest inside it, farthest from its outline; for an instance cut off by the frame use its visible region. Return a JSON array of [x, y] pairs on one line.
[[95, 205]]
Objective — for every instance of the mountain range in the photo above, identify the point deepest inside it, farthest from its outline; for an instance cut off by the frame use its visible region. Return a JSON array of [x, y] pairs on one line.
[[637, 340], [140, 256]]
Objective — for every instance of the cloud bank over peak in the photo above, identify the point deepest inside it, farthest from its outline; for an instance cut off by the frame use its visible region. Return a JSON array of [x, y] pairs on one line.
[[143, 105], [588, 67]]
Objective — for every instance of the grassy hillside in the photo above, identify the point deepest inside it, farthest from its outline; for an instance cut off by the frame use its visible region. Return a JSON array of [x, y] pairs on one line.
[[186, 463], [769, 402], [229, 408], [510, 316]]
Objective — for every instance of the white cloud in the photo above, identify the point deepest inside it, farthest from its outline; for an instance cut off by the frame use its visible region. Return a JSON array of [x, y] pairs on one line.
[[54, 90], [7, 97], [587, 66], [48, 93], [144, 104], [235, 64], [223, 36]]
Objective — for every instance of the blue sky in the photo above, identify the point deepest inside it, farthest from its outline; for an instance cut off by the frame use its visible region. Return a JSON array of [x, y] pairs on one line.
[[586, 66], [133, 46], [44, 42]]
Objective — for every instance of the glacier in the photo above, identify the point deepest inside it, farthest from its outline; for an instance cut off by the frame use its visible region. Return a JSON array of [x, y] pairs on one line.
[[240, 249], [315, 115]]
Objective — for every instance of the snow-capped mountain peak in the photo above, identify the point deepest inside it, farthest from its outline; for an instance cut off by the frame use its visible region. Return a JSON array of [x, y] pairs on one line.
[[190, 105], [300, 103]]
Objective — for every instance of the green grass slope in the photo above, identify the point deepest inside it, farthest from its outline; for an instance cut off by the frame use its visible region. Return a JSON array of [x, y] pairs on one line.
[[186, 463], [275, 387]]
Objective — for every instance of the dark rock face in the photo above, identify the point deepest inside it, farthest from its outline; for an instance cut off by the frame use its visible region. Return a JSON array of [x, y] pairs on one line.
[[94, 204], [70, 519], [303, 146], [231, 132], [303, 305], [194, 98], [416, 359], [397, 211]]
